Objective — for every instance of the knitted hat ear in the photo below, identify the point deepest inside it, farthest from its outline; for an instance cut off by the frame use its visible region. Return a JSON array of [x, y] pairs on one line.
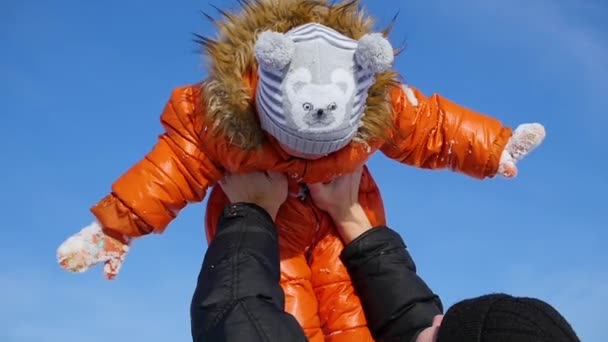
[[273, 50], [374, 53]]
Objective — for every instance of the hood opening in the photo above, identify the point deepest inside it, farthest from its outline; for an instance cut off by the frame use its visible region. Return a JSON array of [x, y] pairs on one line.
[[228, 92]]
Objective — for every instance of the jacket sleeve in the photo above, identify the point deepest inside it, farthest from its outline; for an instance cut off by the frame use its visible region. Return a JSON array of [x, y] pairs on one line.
[[151, 193], [398, 304], [435, 133], [238, 296]]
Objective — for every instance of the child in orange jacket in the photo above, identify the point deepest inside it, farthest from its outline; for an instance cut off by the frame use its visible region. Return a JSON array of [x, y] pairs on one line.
[[303, 88]]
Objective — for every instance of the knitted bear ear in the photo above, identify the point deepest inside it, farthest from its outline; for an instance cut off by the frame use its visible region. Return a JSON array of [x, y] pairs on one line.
[[273, 50], [374, 53]]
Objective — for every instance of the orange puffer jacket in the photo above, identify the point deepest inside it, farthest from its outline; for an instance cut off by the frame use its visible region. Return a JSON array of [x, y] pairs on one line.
[[428, 132]]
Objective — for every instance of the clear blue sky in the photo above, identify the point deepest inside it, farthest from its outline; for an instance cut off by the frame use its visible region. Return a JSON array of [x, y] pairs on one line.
[[82, 84]]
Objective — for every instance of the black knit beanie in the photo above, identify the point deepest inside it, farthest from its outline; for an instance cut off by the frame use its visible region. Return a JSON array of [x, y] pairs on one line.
[[503, 318]]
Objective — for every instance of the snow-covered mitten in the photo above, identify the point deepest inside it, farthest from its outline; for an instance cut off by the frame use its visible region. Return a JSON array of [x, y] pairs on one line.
[[524, 140], [92, 246]]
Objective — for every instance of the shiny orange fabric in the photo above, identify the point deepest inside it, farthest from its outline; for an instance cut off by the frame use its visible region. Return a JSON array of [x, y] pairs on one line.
[[433, 133]]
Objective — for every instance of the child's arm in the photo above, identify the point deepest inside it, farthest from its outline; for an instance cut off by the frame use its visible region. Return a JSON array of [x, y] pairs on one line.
[[150, 194], [435, 133]]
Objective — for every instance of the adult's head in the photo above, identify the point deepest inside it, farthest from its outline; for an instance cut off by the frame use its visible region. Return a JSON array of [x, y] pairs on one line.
[[501, 318]]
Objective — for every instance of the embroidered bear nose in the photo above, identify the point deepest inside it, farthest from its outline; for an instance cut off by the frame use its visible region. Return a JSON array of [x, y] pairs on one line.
[[320, 112]]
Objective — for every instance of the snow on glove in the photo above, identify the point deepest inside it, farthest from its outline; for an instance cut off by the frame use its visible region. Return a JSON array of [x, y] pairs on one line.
[[92, 246], [525, 138]]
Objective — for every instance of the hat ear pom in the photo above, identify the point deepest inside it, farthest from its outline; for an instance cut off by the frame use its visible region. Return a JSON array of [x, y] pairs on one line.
[[374, 53], [273, 50]]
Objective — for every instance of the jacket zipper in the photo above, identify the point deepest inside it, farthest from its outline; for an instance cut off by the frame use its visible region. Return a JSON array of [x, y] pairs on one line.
[[305, 196]]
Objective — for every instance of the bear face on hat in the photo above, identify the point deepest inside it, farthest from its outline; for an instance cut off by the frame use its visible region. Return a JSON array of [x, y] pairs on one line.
[[313, 84]]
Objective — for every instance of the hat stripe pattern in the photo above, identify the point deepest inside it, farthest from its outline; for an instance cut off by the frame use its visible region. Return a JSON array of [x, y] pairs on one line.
[[269, 95], [313, 31]]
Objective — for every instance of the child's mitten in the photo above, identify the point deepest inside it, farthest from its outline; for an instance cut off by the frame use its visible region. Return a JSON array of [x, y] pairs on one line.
[[525, 138], [91, 246]]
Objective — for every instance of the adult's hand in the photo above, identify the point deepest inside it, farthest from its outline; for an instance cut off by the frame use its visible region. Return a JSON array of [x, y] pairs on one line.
[[265, 189], [340, 199]]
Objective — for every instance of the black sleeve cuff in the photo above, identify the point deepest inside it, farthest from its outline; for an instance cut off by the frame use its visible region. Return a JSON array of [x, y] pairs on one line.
[[256, 218], [374, 242], [396, 301], [243, 258]]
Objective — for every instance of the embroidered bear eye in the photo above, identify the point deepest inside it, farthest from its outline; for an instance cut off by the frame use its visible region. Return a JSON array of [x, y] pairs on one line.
[[332, 106], [308, 106]]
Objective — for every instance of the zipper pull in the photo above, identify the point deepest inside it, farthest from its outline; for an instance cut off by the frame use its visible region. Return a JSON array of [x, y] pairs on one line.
[[304, 192]]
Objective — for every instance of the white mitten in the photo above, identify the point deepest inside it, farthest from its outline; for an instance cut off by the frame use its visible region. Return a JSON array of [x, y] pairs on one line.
[[524, 140], [92, 246]]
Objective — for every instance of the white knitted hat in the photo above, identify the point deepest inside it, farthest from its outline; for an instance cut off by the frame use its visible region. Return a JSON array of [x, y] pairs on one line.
[[313, 84]]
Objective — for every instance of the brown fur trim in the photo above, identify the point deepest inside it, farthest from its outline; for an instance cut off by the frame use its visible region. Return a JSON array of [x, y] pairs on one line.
[[227, 98]]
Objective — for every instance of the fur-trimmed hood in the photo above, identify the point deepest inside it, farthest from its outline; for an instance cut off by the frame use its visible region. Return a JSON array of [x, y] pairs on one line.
[[227, 93]]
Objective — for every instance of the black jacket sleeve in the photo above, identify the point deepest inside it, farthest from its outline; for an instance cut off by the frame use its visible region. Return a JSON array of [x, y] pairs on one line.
[[398, 304], [238, 296]]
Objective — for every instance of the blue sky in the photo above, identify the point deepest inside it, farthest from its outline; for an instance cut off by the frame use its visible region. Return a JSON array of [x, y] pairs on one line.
[[82, 84]]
